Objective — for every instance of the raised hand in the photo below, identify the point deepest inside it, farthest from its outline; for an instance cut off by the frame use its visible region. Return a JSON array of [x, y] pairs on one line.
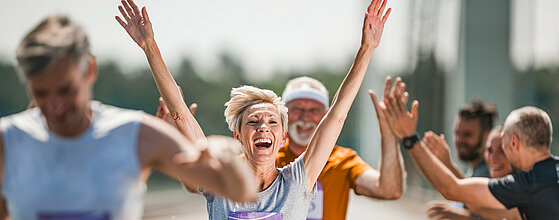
[[402, 122], [374, 23], [380, 109], [137, 25], [438, 146]]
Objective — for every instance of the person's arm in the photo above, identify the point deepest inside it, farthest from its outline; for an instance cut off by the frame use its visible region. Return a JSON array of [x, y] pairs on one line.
[[211, 165], [389, 182], [329, 128], [468, 190], [438, 146], [489, 213], [442, 210], [139, 27], [163, 112], [3, 207]]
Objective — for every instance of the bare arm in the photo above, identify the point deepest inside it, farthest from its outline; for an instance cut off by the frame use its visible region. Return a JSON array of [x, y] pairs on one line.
[[468, 190], [498, 214], [329, 128], [438, 146], [212, 166], [389, 182], [139, 27]]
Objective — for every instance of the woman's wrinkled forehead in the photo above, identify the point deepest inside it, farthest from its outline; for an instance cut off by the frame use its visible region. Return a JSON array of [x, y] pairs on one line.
[[260, 110]]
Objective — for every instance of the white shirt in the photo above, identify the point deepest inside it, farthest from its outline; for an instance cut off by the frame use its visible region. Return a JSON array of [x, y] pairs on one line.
[[94, 176]]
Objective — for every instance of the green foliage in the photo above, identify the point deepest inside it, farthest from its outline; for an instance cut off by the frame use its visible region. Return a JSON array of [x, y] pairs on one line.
[[13, 97]]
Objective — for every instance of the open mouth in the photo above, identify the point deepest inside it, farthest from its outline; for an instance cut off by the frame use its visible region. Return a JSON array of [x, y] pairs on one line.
[[263, 143]]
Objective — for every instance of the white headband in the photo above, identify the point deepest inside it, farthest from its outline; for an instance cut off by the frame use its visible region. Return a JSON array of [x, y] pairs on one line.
[[307, 94]]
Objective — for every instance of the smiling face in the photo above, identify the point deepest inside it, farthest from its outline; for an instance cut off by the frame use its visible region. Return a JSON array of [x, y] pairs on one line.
[[62, 93], [261, 133], [495, 157], [304, 116], [468, 139]]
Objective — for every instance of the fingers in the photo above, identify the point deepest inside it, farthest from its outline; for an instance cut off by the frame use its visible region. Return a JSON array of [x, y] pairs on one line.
[[414, 109], [124, 14], [387, 84], [370, 9], [405, 97], [381, 10], [120, 21], [127, 8], [163, 106], [375, 7], [396, 86], [386, 15], [134, 7], [375, 103], [145, 15], [193, 108]]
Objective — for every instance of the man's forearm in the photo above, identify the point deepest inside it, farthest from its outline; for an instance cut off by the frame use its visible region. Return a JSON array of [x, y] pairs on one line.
[[433, 169], [392, 173], [455, 170]]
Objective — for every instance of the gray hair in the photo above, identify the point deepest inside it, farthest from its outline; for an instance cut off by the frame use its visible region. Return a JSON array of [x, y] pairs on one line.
[[246, 96], [56, 37], [531, 124]]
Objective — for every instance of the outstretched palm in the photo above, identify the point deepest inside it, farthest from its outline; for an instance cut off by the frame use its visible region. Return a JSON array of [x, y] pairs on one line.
[[137, 25], [374, 23]]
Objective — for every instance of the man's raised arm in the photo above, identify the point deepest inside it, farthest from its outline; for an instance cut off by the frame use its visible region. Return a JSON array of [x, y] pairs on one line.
[[403, 124]]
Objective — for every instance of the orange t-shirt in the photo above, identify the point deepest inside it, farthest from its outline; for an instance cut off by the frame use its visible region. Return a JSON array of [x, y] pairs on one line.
[[337, 177]]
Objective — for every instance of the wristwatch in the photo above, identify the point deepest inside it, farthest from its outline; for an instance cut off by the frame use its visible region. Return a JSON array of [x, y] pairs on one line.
[[409, 142]]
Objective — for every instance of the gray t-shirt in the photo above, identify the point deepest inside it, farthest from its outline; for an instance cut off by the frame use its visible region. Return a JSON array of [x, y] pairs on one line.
[[287, 198]]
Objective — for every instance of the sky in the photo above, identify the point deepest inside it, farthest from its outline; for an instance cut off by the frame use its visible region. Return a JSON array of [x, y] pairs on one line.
[[280, 35], [265, 36]]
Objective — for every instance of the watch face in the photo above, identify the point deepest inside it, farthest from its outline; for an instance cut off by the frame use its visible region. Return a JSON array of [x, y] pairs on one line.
[[408, 143]]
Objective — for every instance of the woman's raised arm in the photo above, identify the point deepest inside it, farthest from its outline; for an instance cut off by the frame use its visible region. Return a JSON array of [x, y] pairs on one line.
[[139, 27], [329, 128]]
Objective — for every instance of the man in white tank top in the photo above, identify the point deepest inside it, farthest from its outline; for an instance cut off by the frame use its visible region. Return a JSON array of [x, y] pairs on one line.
[[72, 158]]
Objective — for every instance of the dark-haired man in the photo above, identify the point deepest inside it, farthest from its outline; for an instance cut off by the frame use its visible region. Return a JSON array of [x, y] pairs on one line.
[[527, 132]]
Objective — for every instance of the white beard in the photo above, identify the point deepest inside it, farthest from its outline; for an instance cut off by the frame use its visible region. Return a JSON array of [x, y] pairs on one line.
[[300, 139]]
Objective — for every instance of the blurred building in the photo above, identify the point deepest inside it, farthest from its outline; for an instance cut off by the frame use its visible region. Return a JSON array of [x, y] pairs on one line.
[[463, 50]]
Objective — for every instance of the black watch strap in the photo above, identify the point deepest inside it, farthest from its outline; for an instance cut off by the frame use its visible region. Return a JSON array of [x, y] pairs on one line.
[[409, 142]]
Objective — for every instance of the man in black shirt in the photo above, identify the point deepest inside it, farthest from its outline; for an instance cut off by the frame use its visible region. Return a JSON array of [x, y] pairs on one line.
[[527, 132]]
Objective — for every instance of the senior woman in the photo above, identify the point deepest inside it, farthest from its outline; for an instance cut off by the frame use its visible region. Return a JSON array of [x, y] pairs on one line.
[[258, 119]]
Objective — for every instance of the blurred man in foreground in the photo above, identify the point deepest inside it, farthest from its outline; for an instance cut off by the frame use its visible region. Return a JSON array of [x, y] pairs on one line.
[[73, 158]]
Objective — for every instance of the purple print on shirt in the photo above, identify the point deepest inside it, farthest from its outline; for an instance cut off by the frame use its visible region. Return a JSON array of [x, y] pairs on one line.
[[90, 215], [255, 216]]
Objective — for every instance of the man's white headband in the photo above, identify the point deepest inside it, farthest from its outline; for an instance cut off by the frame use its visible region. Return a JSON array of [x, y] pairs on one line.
[[307, 94]]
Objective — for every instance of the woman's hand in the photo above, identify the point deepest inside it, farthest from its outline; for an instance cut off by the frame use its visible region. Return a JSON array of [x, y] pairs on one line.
[[374, 24], [137, 25]]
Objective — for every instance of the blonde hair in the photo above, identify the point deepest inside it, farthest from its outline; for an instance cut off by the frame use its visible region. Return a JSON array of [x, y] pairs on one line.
[[246, 96]]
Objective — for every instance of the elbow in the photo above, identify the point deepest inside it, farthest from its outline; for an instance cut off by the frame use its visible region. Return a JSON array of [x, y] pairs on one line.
[[393, 195], [449, 194], [339, 117]]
